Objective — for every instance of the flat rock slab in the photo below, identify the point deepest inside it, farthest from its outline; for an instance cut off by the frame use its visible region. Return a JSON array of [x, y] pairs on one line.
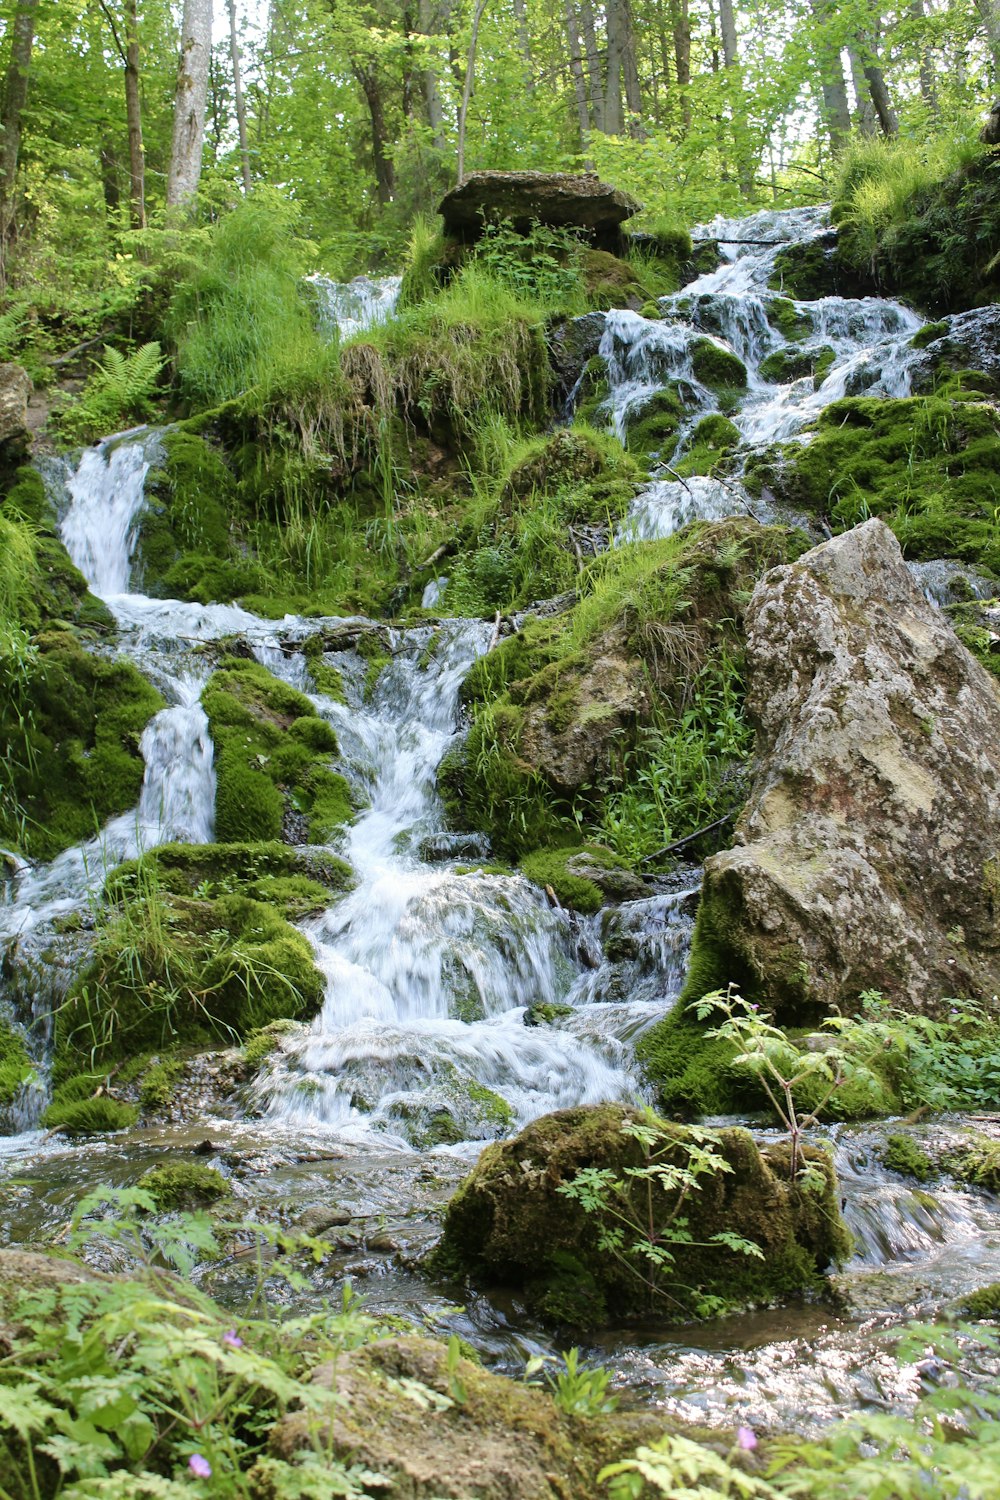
[[555, 198]]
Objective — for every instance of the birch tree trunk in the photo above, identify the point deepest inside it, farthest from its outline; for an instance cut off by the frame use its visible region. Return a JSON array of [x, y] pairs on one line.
[[470, 77], [836, 107], [731, 60], [429, 23], [593, 64], [189, 103], [576, 72], [241, 108], [614, 114]]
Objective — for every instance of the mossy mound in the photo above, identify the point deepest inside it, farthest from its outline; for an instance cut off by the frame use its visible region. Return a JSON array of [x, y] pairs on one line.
[[983, 1305], [296, 882], [652, 429], [184, 1185], [184, 546], [555, 706], [84, 765], [610, 282], [926, 465], [811, 269], [273, 758], [56, 589], [169, 971], [583, 877], [717, 367], [100, 1115], [785, 365], [509, 1224], [787, 319], [902, 1154], [691, 1072], [712, 441], [976, 1162]]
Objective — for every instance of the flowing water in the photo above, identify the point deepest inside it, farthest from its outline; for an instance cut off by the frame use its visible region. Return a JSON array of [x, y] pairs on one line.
[[423, 1048]]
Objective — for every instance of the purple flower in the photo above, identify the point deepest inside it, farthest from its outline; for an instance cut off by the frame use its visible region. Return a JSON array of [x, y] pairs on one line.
[[232, 1339], [746, 1438], [200, 1467]]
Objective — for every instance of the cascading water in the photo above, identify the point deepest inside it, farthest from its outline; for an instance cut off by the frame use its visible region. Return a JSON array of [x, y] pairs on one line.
[[868, 339], [349, 307]]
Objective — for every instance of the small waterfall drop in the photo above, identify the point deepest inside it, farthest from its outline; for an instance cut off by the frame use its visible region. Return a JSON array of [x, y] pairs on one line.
[[106, 498], [350, 307]]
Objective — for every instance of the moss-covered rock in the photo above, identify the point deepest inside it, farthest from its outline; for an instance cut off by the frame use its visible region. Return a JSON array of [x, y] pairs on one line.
[[652, 428], [295, 881], [902, 1154], [583, 877], [977, 1161], [273, 758], [84, 765], [785, 365], [610, 281], [926, 465], [983, 1305], [510, 1224], [184, 1185], [717, 367], [98, 1115], [791, 322], [712, 441], [183, 547], [15, 1064]]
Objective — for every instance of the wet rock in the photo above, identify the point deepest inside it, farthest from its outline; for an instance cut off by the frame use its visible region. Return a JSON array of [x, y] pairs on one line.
[[547, 1014], [967, 341], [510, 1224], [869, 854], [561, 199], [990, 133], [492, 1438], [572, 345], [437, 848], [320, 1218]]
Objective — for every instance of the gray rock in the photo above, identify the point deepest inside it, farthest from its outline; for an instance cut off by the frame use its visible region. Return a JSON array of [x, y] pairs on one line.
[[970, 341], [579, 201], [15, 388], [870, 853], [322, 1217], [572, 345]]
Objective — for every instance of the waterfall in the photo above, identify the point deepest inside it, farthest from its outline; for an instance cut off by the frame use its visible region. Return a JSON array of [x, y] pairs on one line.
[[350, 307]]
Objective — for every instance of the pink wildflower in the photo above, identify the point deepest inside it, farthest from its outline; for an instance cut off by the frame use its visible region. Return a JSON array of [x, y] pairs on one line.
[[232, 1339], [200, 1467], [746, 1438]]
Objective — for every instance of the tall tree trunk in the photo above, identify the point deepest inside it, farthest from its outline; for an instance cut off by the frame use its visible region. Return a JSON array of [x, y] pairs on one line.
[[189, 103], [576, 72], [524, 44], [429, 23], [385, 172], [989, 14], [928, 80], [680, 22], [867, 120], [614, 114], [630, 75], [241, 108], [836, 107], [741, 130], [593, 64], [15, 93], [879, 93], [133, 111], [470, 78]]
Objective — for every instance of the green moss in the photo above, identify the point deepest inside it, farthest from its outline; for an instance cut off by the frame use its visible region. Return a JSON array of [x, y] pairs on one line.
[[902, 1154], [609, 281], [86, 717], [712, 440], [547, 1014], [97, 1116], [977, 1162], [653, 428], [184, 532], [691, 1073], [272, 757], [260, 1044], [184, 1185], [928, 334], [295, 881], [716, 367], [156, 1088], [927, 465], [548, 867], [982, 1305], [783, 315], [785, 365], [15, 1064]]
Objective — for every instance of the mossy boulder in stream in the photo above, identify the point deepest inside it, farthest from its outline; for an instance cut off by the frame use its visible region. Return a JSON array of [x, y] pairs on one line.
[[510, 1224], [273, 759]]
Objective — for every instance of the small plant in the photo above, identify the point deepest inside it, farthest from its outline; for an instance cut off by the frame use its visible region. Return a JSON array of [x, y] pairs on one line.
[[640, 1210], [118, 394], [783, 1071], [679, 1468], [577, 1391]]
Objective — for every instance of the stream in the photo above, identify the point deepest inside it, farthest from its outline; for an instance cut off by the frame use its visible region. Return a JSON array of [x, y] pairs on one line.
[[432, 962]]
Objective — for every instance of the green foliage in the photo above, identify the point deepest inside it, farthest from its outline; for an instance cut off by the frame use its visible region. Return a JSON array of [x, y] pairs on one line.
[[118, 394], [94, 1116], [677, 1466], [15, 1064], [242, 320], [576, 1390], [641, 1213], [542, 266]]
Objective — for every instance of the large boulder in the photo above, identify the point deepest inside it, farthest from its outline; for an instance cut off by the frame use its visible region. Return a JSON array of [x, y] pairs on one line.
[[510, 1225], [562, 199], [15, 388], [967, 341], [868, 854]]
